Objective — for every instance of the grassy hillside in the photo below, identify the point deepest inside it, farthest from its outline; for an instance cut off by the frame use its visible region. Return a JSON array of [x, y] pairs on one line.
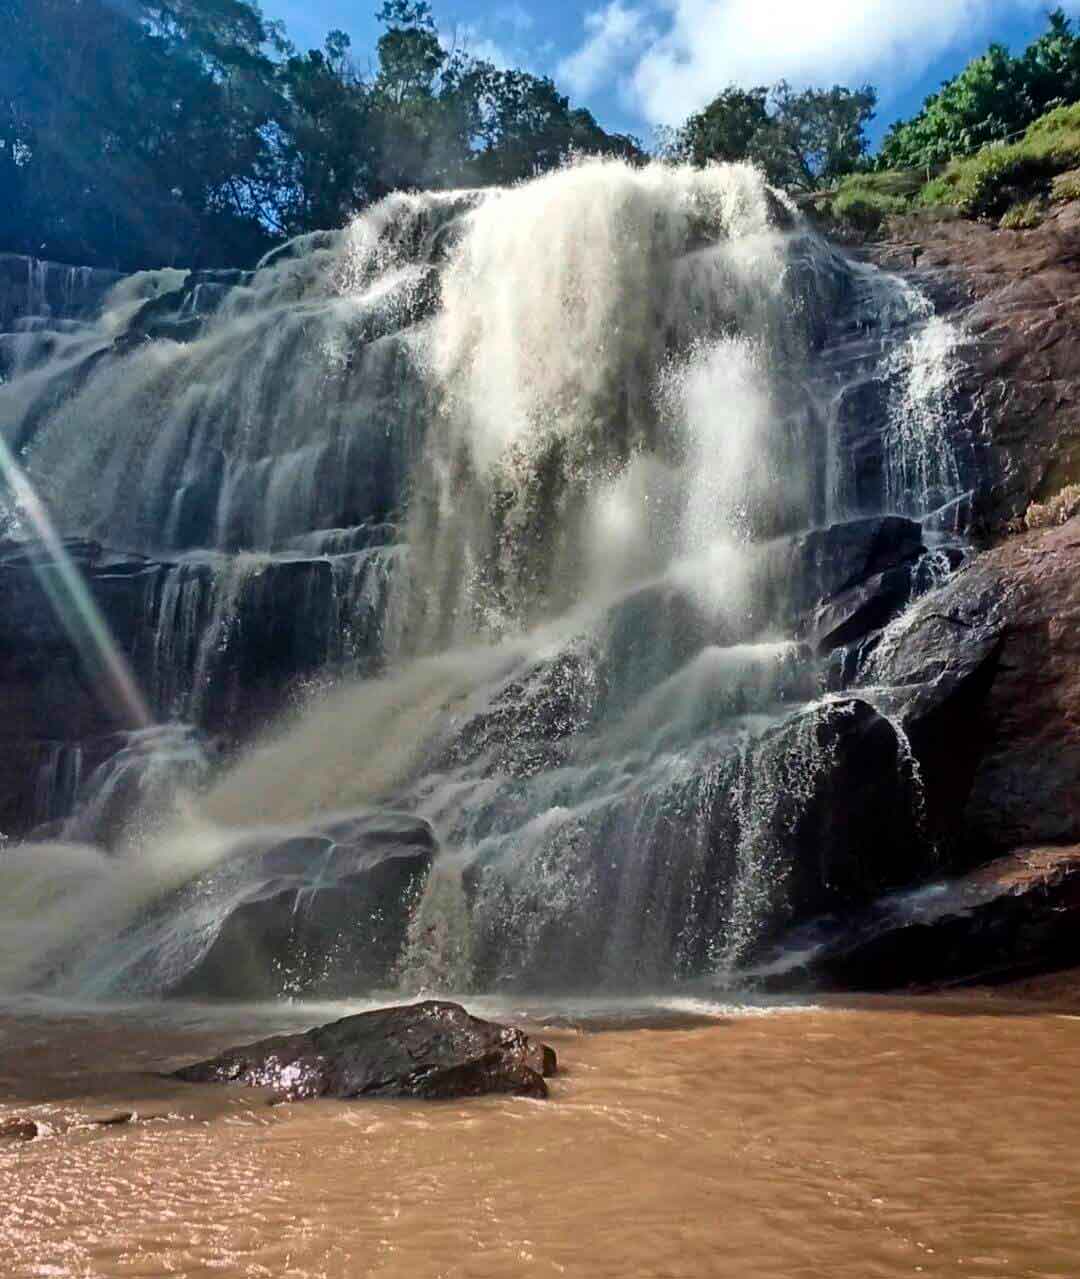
[[1012, 183]]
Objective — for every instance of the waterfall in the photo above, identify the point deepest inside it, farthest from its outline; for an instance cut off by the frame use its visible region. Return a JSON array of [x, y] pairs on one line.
[[502, 523]]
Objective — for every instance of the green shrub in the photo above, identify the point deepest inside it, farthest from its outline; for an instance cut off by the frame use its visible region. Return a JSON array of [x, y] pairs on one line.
[[864, 208], [1022, 215], [1067, 185], [1001, 175], [1061, 122], [893, 182], [938, 191]]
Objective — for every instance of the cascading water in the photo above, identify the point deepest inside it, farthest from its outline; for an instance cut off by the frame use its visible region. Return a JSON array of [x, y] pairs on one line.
[[532, 497]]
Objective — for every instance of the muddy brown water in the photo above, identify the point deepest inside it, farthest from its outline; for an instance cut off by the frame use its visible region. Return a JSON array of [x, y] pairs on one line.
[[892, 1138]]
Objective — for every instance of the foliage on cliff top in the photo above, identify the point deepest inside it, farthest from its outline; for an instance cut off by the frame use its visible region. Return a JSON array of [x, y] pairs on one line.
[[988, 183], [802, 140], [1011, 182], [992, 99], [160, 131]]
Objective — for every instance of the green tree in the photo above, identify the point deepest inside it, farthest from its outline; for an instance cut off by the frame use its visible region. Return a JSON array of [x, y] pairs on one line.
[[135, 138], [141, 133], [328, 157], [728, 129], [522, 126], [995, 96], [801, 139]]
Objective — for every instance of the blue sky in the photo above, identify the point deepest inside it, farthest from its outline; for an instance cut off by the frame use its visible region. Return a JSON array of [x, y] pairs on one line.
[[639, 63]]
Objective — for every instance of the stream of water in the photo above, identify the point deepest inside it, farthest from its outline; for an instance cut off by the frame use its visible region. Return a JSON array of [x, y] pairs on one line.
[[682, 1139]]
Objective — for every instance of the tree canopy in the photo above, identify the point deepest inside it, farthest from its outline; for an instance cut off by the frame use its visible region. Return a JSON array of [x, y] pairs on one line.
[[994, 96], [801, 139], [140, 133]]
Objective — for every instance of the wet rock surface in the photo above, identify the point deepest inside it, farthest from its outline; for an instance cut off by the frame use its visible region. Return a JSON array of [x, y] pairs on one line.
[[19, 1130], [322, 913], [1016, 916], [1018, 295], [985, 675], [34, 286], [844, 829], [430, 1051], [219, 640]]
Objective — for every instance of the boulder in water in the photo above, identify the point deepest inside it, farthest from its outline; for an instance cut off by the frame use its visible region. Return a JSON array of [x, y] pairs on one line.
[[431, 1051], [19, 1130]]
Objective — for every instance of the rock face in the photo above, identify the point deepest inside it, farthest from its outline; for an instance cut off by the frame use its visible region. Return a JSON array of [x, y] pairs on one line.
[[431, 1051], [985, 674], [217, 640], [34, 287], [323, 913], [1016, 916], [1018, 294], [843, 822]]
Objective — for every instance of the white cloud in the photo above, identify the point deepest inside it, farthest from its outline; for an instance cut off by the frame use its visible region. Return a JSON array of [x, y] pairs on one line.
[[704, 45], [613, 37], [516, 16]]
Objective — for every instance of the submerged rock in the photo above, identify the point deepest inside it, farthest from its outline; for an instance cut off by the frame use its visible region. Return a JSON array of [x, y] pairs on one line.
[[19, 1130], [432, 1051]]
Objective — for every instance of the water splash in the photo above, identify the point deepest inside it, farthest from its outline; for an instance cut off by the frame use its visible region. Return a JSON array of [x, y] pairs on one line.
[[921, 473]]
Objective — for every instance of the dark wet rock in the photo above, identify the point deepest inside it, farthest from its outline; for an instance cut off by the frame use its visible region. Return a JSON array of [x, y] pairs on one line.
[[324, 912], [431, 1051], [530, 723], [19, 1130], [179, 314], [861, 416], [983, 673], [843, 825], [816, 815], [125, 779], [113, 1120], [197, 500], [831, 561], [222, 640], [793, 576], [834, 585], [49, 687], [854, 618], [1017, 916], [650, 634], [854, 614]]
